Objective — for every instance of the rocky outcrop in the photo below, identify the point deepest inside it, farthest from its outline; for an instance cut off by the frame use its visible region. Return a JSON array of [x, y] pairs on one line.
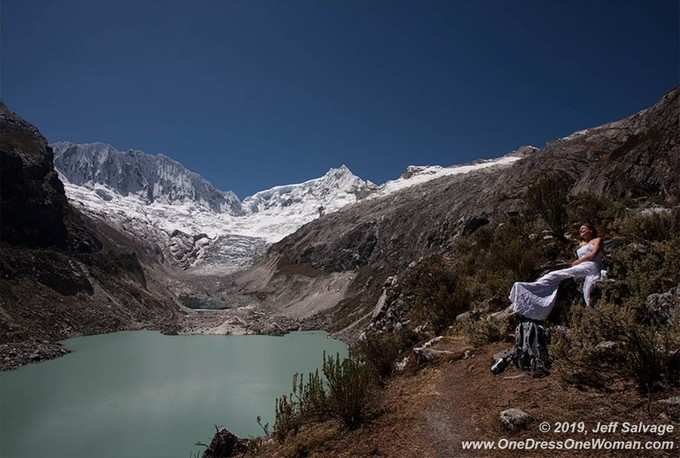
[[61, 274], [33, 204]]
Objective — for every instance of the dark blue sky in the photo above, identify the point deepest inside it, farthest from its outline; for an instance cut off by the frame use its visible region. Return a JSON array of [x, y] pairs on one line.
[[256, 93]]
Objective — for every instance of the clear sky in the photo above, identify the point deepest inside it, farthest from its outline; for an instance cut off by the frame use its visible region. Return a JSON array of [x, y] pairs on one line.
[[256, 93]]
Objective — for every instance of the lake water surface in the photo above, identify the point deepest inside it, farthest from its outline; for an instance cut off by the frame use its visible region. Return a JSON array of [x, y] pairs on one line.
[[143, 394]]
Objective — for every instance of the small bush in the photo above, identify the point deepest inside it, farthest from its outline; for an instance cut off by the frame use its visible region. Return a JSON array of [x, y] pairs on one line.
[[307, 402], [513, 250], [349, 382], [595, 209], [342, 394], [438, 296], [287, 419], [481, 332], [652, 226], [493, 259], [547, 197], [380, 352], [644, 353], [646, 268]]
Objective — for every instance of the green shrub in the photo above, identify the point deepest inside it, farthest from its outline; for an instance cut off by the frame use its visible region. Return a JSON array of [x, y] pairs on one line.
[[380, 352], [287, 418], [513, 250], [642, 352], [307, 402], [482, 331], [342, 394], [437, 295], [594, 209], [488, 262], [652, 226], [493, 260], [547, 197], [349, 383], [646, 268]]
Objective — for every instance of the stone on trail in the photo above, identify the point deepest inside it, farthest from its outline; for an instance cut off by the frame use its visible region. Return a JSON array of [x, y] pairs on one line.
[[515, 419], [671, 406]]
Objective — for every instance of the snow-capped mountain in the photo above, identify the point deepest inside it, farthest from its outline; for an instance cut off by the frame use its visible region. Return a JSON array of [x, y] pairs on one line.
[[154, 178], [198, 227], [340, 183], [157, 200]]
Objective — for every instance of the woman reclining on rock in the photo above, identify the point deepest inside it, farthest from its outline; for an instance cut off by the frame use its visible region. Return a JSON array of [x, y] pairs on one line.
[[536, 300]]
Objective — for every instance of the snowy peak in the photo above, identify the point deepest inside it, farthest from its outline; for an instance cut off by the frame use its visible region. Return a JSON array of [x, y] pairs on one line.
[[336, 188], [152, 178]]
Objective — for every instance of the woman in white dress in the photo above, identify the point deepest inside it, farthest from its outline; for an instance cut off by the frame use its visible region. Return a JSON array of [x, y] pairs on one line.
[[536, 300]]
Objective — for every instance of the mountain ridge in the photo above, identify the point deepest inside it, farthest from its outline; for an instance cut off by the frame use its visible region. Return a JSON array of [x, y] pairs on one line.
[[636, 157], [195, 235], [154, 177]]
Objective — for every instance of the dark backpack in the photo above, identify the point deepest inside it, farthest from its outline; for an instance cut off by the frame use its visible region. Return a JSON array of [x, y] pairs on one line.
[[530, 352]]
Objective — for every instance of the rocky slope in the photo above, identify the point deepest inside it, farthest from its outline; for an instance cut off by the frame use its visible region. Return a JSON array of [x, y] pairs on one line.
[[338, 263], [61, 274]]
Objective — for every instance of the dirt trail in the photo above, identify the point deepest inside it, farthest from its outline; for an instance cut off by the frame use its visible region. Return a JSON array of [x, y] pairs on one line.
[[472, 399], [428, 413]]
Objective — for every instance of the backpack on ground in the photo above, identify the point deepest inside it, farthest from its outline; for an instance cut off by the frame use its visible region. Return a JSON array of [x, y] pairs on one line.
[[531, 347], [530, 352]]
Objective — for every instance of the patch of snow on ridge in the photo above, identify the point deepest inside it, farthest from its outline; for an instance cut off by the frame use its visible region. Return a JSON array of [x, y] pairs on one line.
[[415, 174], [577, 134]]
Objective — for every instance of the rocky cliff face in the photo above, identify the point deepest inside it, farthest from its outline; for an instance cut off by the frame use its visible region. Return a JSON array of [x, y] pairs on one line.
[[635, 157], [60, 272], [154, 178], [33, 200]]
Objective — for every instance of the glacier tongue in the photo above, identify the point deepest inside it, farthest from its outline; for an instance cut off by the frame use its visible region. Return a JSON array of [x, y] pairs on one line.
[[200, 228]]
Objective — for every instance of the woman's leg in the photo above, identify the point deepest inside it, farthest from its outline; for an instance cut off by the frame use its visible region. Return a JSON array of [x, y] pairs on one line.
[[535, 300]]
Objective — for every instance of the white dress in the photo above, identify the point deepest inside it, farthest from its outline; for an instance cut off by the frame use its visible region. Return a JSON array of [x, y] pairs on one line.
[[536, 300]]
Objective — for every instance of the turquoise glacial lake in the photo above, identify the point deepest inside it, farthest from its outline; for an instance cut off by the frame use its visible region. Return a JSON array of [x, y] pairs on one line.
[[143, 394]]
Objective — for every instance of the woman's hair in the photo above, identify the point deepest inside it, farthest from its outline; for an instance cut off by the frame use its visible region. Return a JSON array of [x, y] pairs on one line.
[[592, 228]]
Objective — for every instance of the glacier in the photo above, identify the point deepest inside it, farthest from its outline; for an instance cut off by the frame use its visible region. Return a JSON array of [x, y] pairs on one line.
[[201, 229]]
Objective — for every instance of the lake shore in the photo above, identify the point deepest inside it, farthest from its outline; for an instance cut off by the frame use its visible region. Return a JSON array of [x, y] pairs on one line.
[[241, 321]]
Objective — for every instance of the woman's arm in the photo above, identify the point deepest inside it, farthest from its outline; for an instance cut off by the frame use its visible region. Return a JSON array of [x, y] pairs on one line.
[[597, 246]]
